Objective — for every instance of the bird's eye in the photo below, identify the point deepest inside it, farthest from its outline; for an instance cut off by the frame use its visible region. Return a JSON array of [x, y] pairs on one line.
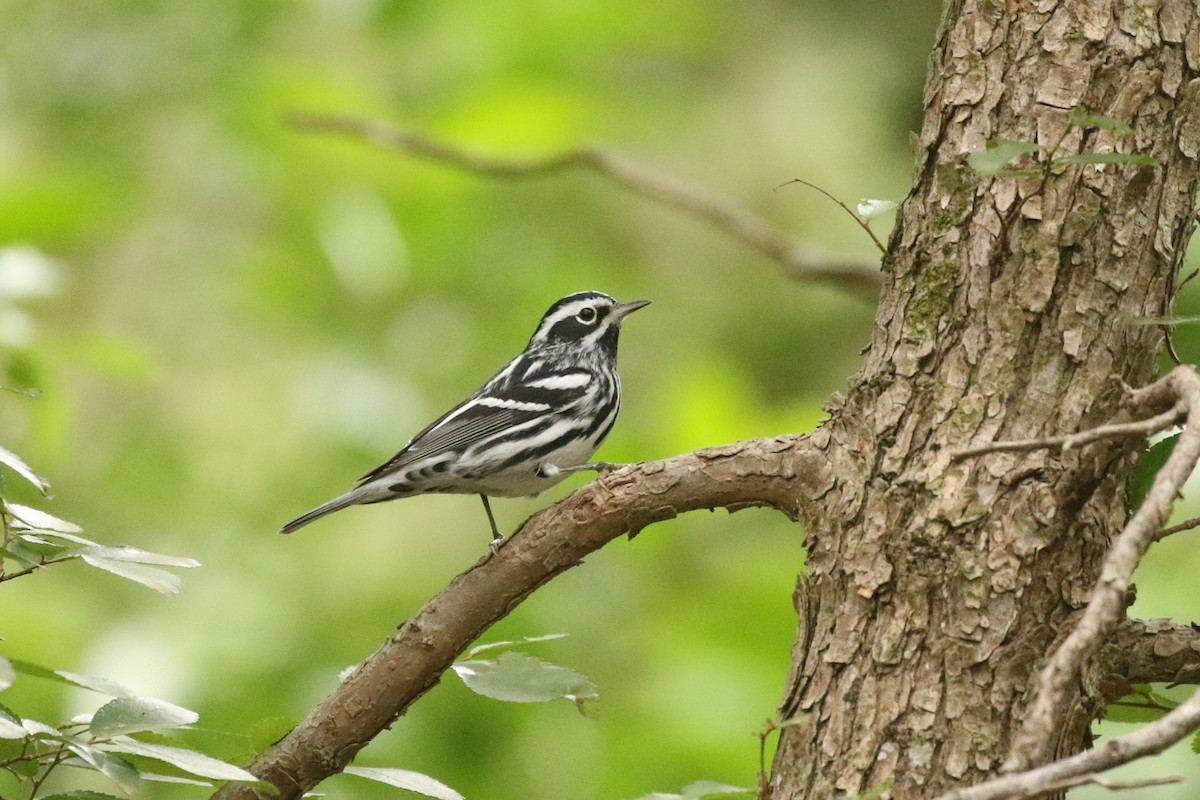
[[587, 316]]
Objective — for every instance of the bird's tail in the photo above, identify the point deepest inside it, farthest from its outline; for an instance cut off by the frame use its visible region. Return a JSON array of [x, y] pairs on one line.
[[336, 504]]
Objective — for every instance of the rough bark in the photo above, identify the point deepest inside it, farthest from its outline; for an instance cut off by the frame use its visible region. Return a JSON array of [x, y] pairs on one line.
[[935, 587]]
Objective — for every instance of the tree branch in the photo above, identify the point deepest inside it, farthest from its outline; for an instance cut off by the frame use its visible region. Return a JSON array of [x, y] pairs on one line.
[[1058, 680], [798, 262], [1147, 651], [781, 473]]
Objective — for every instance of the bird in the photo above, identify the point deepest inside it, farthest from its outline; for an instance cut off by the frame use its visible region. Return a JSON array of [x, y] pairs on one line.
[[536, 421]]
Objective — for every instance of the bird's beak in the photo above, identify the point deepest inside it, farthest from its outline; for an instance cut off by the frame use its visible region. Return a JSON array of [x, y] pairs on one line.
[[622, 310]]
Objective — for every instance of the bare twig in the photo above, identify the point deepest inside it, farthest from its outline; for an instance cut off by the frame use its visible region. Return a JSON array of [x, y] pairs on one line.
[[1186, 525], [1058, 680], [798, 262], [1120, 786], [1145, 427], [779, 473], [862, 223]]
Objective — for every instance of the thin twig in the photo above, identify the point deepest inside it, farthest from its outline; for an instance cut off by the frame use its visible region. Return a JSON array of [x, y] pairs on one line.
[[1080, 768], [1186, 525], [862, 223], [721, 212], [1145, 427], [1058, 679], [8, 576]]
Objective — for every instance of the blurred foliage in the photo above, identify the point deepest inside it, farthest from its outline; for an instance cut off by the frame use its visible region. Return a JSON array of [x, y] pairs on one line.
[[243, 318]]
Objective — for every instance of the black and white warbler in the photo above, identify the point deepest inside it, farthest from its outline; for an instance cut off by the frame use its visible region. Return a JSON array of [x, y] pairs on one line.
[[535, 422]]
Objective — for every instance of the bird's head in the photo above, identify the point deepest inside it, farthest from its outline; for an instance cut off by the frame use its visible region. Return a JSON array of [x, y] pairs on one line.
[[584, 319]]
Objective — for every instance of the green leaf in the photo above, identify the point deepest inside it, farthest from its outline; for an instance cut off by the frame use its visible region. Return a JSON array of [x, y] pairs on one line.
[[522, 678], [7, 673], [525, 640], [875, 792], [1082, 118], [17, 465], [1141, 478], [1196, 742], [1132, 713], [18, 551], [132, 714], [406, 779], [187, 760], [1140, 159], [79, 794], [101, 685], [1184, 320], [997, 155], [40, 520], [115, 768]]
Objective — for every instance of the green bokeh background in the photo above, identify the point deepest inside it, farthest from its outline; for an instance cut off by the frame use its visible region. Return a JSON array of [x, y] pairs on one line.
[[251, 316]]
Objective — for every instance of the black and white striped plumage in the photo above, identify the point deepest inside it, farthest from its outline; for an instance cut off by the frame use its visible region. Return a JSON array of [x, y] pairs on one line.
[[545, 413]]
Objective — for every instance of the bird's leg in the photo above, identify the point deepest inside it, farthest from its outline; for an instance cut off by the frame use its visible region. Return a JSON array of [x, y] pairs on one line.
[[601, 467], [496, 537]]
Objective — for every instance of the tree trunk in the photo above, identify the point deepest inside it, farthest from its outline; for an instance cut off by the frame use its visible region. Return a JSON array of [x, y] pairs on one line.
[[1011, 305]]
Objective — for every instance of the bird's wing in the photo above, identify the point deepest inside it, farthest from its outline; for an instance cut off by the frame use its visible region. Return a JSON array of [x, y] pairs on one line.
[[493, 409]]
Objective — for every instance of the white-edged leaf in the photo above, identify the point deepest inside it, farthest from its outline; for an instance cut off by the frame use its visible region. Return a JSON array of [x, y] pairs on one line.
[[702, 789], [187, 760], [154, 776], [101, 685], [137, 556], [40, 535], [132, 714], [34, 728], [406, 779], [548, 637], [699, 790], [36, 518], [18, 465], [10, 728], [870, 209], [157, 579], [7, 673], [522, 678]]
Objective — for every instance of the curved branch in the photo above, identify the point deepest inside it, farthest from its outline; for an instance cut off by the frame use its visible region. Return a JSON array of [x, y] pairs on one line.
[[779, 473], [799, 263]]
